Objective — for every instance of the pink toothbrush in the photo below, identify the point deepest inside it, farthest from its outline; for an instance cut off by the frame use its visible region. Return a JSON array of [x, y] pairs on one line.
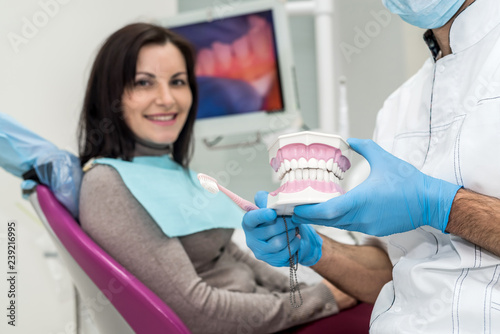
[[210, 184]]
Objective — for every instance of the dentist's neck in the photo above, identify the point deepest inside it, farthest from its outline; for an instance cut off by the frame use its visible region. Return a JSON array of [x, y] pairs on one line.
[[442, 34]]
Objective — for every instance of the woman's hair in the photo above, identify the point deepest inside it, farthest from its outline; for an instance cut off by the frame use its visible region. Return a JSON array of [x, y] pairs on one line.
[[102, 130]]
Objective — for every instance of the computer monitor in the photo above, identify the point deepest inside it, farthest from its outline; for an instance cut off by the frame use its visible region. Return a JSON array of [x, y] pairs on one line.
[[244, 67]]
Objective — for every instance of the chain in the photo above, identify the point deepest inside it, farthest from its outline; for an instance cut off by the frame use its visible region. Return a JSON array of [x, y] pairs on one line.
[[294, 265]]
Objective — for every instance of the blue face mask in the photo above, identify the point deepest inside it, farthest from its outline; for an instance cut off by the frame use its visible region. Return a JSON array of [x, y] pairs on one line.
[[427, 14]]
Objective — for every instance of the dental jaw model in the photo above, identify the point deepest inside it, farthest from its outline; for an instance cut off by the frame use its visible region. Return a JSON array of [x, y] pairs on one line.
[[310, 166]]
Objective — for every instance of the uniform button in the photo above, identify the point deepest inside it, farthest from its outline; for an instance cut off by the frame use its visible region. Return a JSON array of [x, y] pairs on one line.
[[397, 309], [441, 68], [328, 307]]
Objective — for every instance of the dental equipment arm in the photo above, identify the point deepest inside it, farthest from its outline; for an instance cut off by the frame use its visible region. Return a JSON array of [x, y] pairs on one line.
[[395, 198], [476, 218]]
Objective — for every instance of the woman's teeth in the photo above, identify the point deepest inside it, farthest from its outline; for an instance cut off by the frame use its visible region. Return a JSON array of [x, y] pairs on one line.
[[162, 118]]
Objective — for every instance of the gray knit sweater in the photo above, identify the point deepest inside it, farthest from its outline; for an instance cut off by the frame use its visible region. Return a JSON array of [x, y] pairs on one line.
[[212, 285]]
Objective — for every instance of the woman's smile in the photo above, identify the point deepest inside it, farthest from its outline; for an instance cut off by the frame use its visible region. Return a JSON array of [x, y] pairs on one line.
[[162, 119]]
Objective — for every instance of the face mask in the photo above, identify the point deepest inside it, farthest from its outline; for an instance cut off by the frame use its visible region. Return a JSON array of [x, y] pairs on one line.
[[427, 14]]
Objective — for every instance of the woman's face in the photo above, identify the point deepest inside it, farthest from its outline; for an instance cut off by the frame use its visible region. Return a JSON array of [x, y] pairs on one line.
[[156, 107]]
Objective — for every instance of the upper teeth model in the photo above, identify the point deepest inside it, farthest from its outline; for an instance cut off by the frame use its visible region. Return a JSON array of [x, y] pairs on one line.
[[310, 166]]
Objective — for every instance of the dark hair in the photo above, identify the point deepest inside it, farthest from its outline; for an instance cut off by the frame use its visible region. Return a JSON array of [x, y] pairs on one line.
[[102, 130]]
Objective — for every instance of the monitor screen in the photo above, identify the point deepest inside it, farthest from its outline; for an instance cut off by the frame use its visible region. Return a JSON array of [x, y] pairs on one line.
[[236, 64], [244, 67]]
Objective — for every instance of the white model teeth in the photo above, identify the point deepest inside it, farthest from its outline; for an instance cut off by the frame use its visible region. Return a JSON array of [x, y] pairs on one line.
[[162, 118], [302, 163], [287, 165], [309, 174], [322, 164], [313, 163], [313, 169], [329, 165]]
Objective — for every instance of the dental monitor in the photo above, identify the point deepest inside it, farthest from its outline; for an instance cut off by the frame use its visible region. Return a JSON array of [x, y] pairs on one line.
[[244, 68]]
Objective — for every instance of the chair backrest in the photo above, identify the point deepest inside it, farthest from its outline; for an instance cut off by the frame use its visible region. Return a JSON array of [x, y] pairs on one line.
[[120, 303]]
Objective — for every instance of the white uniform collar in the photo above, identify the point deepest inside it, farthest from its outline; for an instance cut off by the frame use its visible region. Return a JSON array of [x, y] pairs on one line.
[[469, 27], [474, 23]]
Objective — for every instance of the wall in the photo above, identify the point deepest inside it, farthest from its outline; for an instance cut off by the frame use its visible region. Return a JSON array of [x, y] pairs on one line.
[[376, 52], [46, 51]]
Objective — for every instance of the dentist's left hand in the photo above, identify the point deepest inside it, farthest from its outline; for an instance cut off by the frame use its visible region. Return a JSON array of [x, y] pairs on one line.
[[266, 237]]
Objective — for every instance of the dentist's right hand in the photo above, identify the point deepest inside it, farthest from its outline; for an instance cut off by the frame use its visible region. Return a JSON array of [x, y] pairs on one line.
[[266, 237]]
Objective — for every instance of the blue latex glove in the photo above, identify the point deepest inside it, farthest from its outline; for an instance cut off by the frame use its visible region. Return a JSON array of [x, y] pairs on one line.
[[265, 236], [395, 198]]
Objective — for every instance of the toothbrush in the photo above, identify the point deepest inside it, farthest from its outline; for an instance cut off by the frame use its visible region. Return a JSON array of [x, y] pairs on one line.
[[210, 184]]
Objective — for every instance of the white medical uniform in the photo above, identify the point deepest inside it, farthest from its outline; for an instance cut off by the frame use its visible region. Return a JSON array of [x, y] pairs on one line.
[[446, 121]]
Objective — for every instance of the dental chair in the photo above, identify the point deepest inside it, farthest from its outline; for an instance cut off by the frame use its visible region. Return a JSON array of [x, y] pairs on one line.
[[118, 301]]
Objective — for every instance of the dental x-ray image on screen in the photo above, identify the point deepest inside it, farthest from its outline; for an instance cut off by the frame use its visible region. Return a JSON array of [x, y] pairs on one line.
[[236, 64]]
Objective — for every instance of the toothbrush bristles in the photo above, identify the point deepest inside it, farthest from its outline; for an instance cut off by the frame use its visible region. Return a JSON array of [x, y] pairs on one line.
[[208, 183]]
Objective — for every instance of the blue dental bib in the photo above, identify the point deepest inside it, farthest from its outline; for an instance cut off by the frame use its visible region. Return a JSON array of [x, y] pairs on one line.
[[174, 197]]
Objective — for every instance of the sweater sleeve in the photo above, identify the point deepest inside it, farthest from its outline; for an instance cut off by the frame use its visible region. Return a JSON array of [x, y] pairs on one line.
[[121, 226]]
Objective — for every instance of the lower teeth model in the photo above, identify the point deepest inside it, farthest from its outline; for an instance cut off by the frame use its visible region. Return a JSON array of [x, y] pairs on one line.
[[310, 166]]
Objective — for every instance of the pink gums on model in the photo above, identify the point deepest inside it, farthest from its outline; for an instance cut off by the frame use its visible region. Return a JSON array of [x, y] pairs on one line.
[[318, 152], [299, 185]]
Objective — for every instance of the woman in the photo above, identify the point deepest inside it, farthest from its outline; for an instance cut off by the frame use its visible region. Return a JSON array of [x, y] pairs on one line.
[[141, 103]]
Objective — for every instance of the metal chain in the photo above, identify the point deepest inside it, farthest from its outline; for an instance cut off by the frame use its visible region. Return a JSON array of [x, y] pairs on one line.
[[294, 266]]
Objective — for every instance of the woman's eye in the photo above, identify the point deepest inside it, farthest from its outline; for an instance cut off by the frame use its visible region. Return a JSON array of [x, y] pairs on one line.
[[179, 82], [142, 83]]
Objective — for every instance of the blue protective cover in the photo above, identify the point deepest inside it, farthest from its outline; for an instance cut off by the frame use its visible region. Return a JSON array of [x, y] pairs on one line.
[[22, 150], [174, 197]]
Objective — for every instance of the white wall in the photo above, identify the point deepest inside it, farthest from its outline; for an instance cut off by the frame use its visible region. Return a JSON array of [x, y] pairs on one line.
[[46, 49]]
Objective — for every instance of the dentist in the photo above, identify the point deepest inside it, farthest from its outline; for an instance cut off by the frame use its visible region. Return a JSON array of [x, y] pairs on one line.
[[432, 193]]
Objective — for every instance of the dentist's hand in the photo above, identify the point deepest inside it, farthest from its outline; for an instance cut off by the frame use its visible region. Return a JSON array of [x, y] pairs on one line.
[[266, 237], [395, 198]]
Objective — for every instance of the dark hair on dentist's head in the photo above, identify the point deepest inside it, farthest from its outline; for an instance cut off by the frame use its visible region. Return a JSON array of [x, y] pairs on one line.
[[102, 131]]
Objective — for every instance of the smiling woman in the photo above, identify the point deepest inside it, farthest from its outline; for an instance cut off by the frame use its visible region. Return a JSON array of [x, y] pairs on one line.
[[142, 204], [140, 72]]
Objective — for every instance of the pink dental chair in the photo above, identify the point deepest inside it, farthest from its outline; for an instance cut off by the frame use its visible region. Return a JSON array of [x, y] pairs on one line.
[[119, 302]]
